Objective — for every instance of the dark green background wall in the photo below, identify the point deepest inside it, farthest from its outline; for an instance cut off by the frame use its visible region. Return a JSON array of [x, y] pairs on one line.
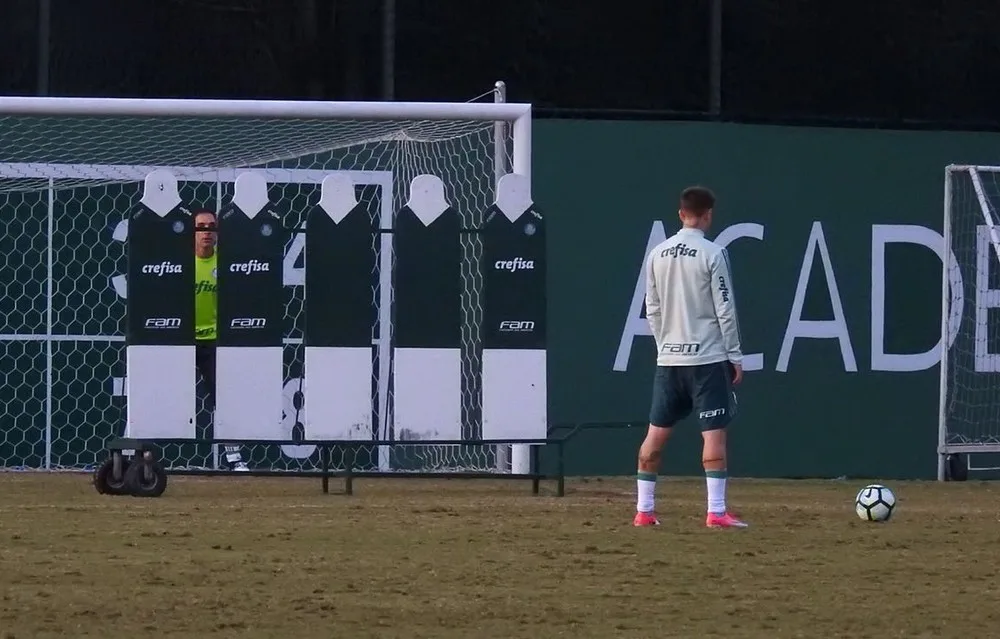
[[605, 183], [605, 187]]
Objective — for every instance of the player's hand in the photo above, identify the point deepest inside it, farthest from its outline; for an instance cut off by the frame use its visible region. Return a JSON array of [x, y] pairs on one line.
[[737, 372]]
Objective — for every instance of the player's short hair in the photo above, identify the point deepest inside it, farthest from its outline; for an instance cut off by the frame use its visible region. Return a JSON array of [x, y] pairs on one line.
[[697, 200], [211, 226]]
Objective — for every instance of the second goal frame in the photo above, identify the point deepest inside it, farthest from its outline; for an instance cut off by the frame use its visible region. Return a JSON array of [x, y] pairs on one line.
[[969, 395]]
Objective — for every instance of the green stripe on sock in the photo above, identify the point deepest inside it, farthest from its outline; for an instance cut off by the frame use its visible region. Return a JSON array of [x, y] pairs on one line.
[[641, 476], [715, 474]]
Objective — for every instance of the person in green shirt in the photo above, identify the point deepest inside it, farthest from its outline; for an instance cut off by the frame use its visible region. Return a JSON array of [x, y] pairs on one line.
[[206, 315]]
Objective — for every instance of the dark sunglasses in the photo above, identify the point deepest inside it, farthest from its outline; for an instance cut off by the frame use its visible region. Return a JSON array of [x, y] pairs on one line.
[[205, 227]]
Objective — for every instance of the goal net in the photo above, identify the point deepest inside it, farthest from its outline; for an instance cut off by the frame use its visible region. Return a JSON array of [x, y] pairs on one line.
[[68, 180], [969, 418]]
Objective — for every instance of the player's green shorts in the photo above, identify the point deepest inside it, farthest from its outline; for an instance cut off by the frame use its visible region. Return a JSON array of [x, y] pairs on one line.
[[706, 389]]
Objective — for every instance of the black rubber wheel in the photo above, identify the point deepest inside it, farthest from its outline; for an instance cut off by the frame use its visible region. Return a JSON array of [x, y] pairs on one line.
[[104, 480], [956, 467], [141, 486]]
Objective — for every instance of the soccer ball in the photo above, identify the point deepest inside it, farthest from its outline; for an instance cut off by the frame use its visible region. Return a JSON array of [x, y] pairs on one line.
[[875, 503]]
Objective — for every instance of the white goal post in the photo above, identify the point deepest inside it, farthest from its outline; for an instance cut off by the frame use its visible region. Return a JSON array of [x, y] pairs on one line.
[[969, 399], [69, 167]]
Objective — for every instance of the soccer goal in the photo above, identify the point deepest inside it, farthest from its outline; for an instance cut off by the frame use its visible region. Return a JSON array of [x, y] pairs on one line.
[[969, 404], [70, 169]]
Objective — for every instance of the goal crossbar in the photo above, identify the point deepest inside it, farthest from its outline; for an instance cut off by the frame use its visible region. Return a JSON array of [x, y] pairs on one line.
[[272, 109], [518, 113]]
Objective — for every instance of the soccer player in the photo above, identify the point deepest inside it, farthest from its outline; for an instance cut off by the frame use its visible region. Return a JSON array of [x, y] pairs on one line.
[[692, 314], [205, 315]]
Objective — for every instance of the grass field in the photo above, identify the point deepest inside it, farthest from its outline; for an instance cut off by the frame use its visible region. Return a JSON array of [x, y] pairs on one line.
[[253, 557]]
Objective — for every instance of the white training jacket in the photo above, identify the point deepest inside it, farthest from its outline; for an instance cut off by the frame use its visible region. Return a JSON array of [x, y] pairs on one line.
[[689, 302]]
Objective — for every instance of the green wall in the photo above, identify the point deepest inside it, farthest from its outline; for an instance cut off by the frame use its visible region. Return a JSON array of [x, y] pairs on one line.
[[810, 413], [608, 189]]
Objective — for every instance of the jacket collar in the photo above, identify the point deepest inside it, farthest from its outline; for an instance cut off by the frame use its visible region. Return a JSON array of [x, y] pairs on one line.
[[691, 231]]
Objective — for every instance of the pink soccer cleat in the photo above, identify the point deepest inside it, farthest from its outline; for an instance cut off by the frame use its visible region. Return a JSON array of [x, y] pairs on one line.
[[645, 519], [725, 520]]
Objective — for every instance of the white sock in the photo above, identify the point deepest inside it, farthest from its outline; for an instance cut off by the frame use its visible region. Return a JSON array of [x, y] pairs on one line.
[[646, 484], [715, 481]]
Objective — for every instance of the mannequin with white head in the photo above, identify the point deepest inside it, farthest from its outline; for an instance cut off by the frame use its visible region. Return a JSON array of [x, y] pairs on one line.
[[159, 192]]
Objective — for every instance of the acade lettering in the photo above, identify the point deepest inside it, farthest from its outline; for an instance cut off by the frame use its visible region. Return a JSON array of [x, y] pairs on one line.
[[806, 278]]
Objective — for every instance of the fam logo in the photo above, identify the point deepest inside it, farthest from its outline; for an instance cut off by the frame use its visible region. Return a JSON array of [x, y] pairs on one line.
[[680, 348], [517, 326], [162, 323], [248, 322]]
